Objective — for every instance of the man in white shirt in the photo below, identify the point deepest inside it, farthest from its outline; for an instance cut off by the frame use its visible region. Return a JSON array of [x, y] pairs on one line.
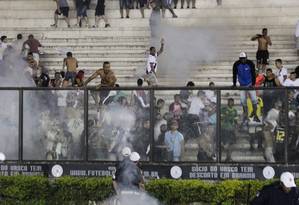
[[297, 36], [292, 81], [282, 73], [18, 44], [3, 46], [151, 65]]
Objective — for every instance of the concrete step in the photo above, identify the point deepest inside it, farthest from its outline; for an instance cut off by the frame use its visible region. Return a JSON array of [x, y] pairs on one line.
[[135, 13]]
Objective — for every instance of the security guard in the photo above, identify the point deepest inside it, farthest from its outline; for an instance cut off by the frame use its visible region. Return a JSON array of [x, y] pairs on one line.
[[279, 193], [128, 175]]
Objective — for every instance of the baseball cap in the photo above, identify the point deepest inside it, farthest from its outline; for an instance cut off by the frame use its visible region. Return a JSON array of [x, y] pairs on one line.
[[287, 179], [134, 157], [243, 55], [126, 151]]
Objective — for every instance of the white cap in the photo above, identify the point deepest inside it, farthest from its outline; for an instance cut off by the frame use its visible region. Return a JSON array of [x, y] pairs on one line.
[[126, 151], [243, 55], [135, 157], [287, 179]]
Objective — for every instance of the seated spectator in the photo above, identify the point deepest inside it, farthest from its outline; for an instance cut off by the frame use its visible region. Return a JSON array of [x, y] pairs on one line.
[[81, 7], [282, 73], [292, 81], [270, 79], [33, 47], [57, 81], [71, 65], [44, 79], [79, 80], [174, 142], [176, 107], [3, 46], [18, 44]]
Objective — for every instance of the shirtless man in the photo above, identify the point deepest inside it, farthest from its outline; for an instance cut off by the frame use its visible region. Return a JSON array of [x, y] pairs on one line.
[[108, 79], [262, 54]]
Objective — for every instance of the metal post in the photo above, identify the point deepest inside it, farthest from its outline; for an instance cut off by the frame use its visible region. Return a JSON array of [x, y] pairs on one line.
[[152, 123], [86, 124], [286, 129], [21, 109], [218, 126]]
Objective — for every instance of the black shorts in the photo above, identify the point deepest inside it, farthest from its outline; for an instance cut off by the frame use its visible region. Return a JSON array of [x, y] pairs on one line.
[[100, 10], [262, 57], [64, 11]]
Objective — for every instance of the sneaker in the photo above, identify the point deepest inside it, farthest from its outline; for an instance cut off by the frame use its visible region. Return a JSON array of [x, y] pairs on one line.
[[107, 25], [193, 7], [54, 25], [121, 17], [69, 26], [94, 26], [256, 119], [127, 17], [174, 16]]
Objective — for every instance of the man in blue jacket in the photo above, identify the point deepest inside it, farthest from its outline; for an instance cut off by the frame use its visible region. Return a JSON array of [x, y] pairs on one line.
[[244, 71]]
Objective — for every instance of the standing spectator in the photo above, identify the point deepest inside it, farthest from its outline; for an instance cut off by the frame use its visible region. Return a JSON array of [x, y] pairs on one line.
[[174, 142], [33, 46], [193, 4], [108, 79], [62, 8], [166, 4], [100, 14], [33, 67], [71, 65], [3, 46], [79, 80], [244, 70], [297, 36], [18, 44], [176, 107], [81, 6], [282, 192], [125, 4], [262, 54], [151, 66], [229, 117], [282, 73], [292, 81], [176, 3], [142, 5], [184, 94]]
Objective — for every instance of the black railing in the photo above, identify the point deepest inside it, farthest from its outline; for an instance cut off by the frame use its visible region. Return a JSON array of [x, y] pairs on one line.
[[90, 125]]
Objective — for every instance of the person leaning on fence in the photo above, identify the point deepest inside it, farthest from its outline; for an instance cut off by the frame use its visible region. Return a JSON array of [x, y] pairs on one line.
[[151, 67], [283, 192]]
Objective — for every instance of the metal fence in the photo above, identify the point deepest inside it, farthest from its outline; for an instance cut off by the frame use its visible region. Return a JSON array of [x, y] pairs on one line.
[[163, 124]]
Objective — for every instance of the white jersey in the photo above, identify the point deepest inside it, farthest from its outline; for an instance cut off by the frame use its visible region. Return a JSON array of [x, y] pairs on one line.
[[280, 75], [290, 83], [152, 60]]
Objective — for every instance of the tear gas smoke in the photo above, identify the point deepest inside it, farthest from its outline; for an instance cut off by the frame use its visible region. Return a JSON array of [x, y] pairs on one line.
[[186, 48], [132, 198]]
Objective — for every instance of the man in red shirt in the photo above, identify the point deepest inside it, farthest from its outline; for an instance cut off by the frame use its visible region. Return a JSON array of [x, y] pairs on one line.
[[33, 45]]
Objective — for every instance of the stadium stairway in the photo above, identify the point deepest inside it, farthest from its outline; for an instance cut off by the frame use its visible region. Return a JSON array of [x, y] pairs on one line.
[[125, 43]]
